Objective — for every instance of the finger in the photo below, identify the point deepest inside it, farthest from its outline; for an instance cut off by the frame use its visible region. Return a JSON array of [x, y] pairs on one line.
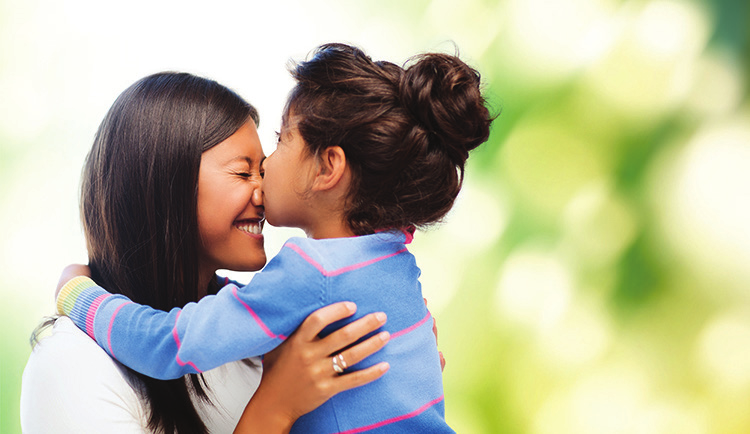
[[357, 353], [354, 331], [442, 361], [359, 378], [318, 320], [434, 328]]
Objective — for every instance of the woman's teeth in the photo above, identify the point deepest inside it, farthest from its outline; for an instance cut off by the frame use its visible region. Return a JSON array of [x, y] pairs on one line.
[[251, 228]]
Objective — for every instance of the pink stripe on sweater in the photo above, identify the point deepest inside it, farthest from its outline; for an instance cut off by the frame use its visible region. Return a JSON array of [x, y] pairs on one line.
[[179, 344], [341, 270], [109, 330], [411, 327], [191, 364], [409, 234], [91, 314], [257, 319], [174, 331], [416, 412]]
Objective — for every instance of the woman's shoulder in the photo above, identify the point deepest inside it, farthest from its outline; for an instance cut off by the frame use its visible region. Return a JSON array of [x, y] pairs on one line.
[[71, 384], [67, 346]]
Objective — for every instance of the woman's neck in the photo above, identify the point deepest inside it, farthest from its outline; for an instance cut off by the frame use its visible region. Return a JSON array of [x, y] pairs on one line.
[[205, 277]]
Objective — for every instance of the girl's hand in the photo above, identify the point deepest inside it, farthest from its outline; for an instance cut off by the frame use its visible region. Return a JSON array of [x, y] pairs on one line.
[[69, 272], [299, 375]]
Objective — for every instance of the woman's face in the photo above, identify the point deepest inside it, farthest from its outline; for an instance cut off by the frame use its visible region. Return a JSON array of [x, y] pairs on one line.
[[230, 204]]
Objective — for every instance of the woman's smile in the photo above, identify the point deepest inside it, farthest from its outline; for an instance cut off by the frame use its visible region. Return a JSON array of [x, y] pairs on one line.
[[252, 227]]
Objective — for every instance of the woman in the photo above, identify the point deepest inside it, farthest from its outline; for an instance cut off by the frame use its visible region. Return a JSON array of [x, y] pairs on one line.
[[148, 222]]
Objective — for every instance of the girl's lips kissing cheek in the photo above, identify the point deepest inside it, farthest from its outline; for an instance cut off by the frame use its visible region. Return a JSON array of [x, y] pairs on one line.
[[252, 227]]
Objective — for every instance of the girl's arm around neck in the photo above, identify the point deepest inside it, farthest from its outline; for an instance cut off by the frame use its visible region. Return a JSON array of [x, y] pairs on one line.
[[234, 324]]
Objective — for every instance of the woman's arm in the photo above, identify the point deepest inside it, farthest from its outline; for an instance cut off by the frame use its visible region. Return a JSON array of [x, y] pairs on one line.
[[298, 376]]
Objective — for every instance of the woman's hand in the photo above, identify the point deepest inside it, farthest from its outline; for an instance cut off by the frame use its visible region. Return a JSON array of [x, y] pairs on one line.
[[440, 353], [69, 272], [299, 375], [434, 331]]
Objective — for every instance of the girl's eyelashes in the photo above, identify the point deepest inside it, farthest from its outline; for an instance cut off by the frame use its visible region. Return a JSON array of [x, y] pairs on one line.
[[278, 137]]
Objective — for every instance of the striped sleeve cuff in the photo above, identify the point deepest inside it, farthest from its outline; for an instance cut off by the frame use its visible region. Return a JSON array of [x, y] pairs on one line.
[[71, 292]]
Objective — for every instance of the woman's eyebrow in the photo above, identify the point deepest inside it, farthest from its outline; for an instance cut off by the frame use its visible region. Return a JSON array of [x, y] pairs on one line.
[[244, 158]]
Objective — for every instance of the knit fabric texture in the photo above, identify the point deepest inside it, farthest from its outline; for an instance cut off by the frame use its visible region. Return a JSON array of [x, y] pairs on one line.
[[376, 272]]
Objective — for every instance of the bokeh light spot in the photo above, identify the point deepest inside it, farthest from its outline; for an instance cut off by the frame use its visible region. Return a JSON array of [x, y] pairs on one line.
[[534, 289], [723, 351], [703, 198], [598, 225], [548, 164]]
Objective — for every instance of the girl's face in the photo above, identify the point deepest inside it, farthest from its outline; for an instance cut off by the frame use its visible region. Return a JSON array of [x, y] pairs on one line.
[[288, 171], [230, 204]]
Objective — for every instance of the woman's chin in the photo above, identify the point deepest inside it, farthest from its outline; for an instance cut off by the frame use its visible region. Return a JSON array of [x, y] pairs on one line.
[[255, 265]]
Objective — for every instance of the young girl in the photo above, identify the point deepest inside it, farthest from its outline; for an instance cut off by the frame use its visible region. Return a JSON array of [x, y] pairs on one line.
[[367, 152]]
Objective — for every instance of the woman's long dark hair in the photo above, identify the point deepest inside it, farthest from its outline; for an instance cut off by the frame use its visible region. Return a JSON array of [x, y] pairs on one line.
[[139, 207]]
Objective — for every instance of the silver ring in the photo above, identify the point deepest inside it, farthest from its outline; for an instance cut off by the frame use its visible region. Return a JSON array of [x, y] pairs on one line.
[[339, 364]]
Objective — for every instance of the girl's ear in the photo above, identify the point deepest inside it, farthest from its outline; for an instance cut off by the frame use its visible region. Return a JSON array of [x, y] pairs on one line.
[[332, 167]]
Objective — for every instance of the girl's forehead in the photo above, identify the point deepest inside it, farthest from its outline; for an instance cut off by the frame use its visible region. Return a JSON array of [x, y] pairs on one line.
[[289, 123]]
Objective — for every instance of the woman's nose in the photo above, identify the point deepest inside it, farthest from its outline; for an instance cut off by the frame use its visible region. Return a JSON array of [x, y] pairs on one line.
[[257, 196]]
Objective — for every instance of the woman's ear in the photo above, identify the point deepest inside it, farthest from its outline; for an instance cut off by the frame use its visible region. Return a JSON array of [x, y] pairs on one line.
[[332, 168]]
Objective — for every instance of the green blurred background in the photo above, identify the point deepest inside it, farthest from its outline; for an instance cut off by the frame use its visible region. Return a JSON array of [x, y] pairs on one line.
[[594, 276]]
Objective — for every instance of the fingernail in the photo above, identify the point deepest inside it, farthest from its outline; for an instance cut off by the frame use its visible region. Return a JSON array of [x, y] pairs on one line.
[[351, 307], [384, 336], [384, 366], [381, 316]]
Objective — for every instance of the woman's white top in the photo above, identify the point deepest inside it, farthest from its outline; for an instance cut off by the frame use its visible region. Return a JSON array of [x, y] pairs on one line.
[[70, 385]]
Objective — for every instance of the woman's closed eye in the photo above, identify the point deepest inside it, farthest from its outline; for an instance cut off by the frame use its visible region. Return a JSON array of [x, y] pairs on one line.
[[247, 173]]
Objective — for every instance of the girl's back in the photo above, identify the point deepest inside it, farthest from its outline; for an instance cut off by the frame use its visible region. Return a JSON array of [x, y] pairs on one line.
[[378, 274]]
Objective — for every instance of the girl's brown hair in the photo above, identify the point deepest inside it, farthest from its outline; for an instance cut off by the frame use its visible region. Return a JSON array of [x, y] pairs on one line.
[[406, 132], [139, 208]]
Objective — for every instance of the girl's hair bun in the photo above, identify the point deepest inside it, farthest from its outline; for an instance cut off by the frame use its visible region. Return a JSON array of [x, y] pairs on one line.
[[406, 133], [443, 94]]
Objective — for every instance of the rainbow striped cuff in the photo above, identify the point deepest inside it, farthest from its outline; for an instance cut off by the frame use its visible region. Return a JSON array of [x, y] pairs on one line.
[[70, 292]]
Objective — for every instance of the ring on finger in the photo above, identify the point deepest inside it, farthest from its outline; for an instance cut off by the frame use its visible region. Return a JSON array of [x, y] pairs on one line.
[[339, 364], [342, 362]]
